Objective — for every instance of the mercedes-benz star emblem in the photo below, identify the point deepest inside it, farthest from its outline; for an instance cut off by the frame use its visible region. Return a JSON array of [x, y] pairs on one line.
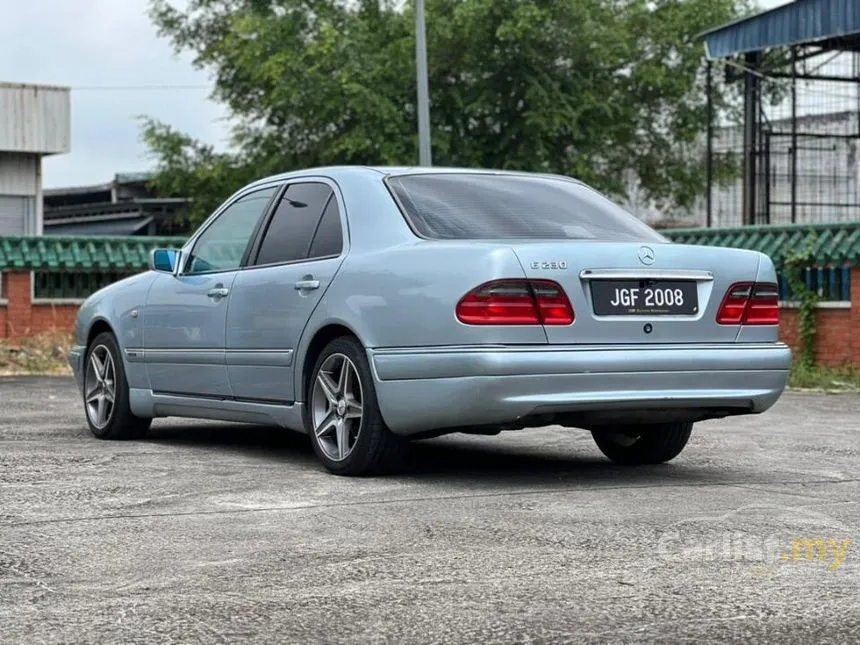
[[646, 255]]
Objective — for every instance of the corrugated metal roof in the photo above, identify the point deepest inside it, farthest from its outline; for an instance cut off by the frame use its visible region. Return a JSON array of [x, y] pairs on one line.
[[834, 243], [803, 21], [133, 177], [105, 227]]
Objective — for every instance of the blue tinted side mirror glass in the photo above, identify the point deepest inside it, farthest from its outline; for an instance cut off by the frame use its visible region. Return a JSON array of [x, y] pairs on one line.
[[163, 260]]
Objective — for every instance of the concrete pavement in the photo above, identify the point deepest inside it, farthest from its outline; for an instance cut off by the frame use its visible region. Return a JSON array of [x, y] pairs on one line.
[[210, 532]]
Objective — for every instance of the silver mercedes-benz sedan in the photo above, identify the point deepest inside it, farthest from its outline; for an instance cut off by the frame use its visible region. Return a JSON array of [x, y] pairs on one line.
[[370, 306]]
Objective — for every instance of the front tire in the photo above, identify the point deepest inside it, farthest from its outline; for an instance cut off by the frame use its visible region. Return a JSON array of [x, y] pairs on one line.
[[106, 393], [640, 445], [342, 414]]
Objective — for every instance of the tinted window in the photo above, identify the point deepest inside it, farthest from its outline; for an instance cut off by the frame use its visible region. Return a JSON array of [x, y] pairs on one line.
[[221, 246], [288, 236], [485, 206], [329, 236]]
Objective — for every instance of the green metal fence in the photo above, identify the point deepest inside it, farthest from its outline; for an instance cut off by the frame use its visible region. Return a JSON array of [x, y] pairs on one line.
[[66, 285]]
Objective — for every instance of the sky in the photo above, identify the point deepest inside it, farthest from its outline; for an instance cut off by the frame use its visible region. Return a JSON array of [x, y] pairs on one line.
[[92, 44], [97, 43]]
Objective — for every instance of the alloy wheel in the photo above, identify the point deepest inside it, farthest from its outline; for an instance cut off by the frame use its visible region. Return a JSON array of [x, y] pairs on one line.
[[100, 387], [337, 407]]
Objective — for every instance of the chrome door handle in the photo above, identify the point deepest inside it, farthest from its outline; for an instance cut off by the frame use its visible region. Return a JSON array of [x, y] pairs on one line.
[[302, 285], [218, 292]]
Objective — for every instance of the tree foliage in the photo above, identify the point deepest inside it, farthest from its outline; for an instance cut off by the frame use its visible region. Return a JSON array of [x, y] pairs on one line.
[[594, 89]]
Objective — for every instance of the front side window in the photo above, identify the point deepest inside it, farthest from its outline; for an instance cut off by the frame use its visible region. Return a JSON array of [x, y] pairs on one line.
[[290, 232], [472, 206], [222, 245]]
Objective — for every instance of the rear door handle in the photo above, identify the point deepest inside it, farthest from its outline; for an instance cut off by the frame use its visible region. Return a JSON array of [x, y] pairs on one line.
[[302, 285], [218, 292]]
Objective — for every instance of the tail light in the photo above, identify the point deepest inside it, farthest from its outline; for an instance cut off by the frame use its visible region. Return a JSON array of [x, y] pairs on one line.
[[749, 303], [516, 302]]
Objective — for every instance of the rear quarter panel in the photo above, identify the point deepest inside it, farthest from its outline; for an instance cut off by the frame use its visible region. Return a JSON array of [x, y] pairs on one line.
[[407, 296]]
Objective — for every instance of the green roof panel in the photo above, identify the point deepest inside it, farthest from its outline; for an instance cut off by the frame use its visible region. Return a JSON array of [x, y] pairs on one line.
[[103, 253], [832, 243]]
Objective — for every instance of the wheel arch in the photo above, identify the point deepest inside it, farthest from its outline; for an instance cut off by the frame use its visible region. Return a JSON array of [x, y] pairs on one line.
[[317, 341], [99, 326]]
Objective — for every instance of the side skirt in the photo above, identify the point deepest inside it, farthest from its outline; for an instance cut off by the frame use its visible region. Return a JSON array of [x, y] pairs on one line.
[[146, 403]]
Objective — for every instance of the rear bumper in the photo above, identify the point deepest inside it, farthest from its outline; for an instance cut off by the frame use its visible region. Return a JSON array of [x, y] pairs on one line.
[[421, 390]]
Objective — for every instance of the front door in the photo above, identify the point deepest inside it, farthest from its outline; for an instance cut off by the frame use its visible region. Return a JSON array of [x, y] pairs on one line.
[[186, 313], [275, 295]]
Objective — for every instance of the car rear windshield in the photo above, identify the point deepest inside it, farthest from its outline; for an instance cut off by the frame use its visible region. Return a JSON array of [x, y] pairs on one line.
[[466, 206]]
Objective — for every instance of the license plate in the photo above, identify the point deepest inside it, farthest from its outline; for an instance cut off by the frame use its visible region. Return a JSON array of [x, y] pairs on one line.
[[644, 297]]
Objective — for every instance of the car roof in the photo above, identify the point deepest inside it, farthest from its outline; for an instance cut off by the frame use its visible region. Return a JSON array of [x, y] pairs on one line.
[[341, 171]]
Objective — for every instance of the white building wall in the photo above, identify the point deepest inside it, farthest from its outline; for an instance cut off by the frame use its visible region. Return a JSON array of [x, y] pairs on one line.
[[34, 118], [34, 121], [20, 194], [18, 174], [17, 214]]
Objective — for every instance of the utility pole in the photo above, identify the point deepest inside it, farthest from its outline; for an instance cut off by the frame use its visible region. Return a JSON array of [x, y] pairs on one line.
[[424, 155]]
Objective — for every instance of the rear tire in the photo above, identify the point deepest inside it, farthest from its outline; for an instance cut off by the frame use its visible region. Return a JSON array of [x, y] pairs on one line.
[[640, 445], [342, 414], [106, 393]]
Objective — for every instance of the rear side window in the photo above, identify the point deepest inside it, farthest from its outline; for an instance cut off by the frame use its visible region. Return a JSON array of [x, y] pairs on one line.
[[291, 229], [329, 236], [486, 206]]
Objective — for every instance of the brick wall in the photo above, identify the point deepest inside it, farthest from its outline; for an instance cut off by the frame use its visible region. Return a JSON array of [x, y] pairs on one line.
[[20, 317], [833, 338], [837, 330]]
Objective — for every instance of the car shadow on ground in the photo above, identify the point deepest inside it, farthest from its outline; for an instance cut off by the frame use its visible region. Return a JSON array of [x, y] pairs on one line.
[[455, 458]]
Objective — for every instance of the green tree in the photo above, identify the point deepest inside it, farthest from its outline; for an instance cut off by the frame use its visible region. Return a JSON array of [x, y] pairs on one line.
[[588, 88]]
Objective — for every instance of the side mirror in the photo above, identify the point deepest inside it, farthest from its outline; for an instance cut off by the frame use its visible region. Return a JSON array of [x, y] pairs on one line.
[[164, 260]]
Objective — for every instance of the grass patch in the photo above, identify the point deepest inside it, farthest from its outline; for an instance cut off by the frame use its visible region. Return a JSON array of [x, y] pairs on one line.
[[830, 379], [43, 354]]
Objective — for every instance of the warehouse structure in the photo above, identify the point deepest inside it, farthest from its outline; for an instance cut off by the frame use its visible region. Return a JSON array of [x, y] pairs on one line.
[[126, 205], [34, 122], [792, 156]]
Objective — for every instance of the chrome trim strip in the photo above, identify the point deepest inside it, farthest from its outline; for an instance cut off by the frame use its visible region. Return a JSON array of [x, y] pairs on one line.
[[644, 274], [185, 356], [260, 357], [243, 357]]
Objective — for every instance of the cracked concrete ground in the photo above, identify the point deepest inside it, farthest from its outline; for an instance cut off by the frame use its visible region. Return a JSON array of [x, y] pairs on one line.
[[209, 532]]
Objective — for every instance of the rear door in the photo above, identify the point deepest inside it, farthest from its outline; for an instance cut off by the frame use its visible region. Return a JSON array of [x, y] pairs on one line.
[[298, 254]]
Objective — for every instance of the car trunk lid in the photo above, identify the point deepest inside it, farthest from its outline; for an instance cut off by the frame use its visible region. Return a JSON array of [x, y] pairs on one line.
[[625, 292]]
